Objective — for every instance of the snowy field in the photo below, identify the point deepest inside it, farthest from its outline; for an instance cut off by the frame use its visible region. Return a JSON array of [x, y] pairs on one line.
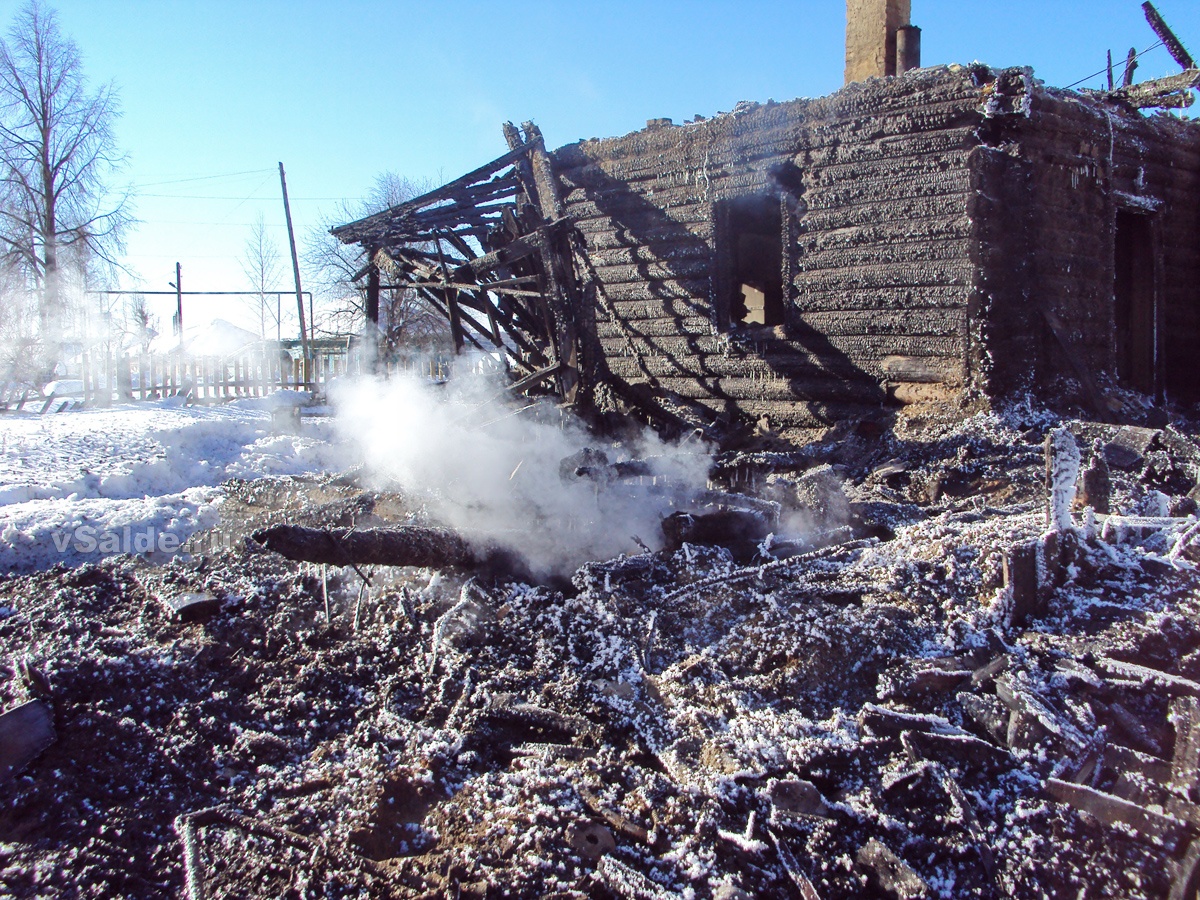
[[139, 478]]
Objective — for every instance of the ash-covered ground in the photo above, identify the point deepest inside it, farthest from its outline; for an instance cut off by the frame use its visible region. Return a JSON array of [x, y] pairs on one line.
[[871, 707]]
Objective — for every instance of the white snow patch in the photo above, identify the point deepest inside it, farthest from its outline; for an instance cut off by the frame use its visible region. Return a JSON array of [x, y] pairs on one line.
[[150, 465]]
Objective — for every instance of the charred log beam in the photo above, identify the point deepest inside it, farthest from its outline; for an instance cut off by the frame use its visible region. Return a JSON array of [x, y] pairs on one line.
[[509, 253], [402, 545], [451, 300], [520, 321], [25, 732], [400, 240], [464, 286], [543, 173], [460, 245], [442, 215], [465, 318], [536, 378], [517, 336], [723, 527], [423, 222], [360, 230], [1151, 825], [509, 282], [1131, 65], [1167, 36], [373, 295], [1174, 91], [523, 166]]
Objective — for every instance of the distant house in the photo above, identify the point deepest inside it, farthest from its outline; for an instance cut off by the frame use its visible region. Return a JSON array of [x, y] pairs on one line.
[[218, 338], [942, 233]]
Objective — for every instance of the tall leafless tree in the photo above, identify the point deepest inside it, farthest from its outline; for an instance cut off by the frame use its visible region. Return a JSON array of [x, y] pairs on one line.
[[405, 319], [262, 265], [58, 155], [139, 323]]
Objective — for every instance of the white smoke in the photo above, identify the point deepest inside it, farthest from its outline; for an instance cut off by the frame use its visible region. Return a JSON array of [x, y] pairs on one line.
[[490, 468]]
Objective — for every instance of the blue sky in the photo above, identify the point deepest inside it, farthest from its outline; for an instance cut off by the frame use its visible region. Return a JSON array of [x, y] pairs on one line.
[[341, 91]]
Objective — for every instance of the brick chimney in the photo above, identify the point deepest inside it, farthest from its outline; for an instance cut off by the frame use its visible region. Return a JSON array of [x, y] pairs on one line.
[[880, 40]]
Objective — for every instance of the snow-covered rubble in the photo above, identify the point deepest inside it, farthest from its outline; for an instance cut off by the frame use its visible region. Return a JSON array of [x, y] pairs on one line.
[[869, 716]]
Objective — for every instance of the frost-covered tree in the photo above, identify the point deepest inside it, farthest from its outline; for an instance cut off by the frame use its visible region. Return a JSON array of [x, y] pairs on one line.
[[404, 318], [58, 155]]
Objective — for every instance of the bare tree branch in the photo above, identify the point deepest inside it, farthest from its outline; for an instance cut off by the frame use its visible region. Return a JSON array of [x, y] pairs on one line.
[[406, 320]]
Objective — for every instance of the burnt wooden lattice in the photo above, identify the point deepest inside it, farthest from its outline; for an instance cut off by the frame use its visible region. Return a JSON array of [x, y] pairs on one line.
[[490, 252]]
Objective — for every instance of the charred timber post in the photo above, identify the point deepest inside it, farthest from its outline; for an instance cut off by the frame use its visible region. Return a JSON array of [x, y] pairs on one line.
[[1131, 65], [373, 293], [512, 137], [372, 310], [407, 545], [555, 251], [450, 297], [543, 175], [538, 244]]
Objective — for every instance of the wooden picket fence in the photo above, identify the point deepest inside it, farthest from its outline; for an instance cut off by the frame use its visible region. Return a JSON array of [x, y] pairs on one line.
[[106, 379]]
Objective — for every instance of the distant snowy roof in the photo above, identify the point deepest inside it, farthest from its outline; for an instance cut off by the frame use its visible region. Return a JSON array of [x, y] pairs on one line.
[[217, 338]]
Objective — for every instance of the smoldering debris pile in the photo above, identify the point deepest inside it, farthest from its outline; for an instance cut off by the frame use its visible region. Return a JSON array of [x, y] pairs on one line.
[[943, 693]]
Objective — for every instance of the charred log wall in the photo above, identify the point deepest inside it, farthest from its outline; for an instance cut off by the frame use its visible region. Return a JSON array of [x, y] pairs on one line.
[[1053, 187], [934, 229], [873, 185]]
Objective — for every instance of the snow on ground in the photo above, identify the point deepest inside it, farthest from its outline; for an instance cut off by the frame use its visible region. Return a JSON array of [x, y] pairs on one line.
[[136, 478]]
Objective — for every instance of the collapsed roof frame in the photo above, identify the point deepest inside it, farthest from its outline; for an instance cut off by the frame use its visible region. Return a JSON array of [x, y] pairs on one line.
[[493, 253]]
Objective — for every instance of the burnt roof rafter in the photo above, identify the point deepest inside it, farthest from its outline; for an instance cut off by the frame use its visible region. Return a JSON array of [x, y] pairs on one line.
[[516, 272], [470, 200]]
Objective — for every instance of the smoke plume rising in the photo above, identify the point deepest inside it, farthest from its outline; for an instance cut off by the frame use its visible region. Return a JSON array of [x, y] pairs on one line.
[[493, 470]]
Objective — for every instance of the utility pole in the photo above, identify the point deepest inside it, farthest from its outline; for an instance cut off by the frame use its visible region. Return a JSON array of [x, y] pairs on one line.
[[287, 211], [179, 301]]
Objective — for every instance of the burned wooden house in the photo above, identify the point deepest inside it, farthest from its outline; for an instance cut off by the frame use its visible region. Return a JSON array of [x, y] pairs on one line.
[[944, 233]]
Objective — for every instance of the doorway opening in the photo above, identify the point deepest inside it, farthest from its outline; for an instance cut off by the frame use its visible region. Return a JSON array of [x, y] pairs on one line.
[[1134, 302]]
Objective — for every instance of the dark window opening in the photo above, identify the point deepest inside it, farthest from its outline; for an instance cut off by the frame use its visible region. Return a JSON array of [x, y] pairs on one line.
[[754, 234], [1134, 301]]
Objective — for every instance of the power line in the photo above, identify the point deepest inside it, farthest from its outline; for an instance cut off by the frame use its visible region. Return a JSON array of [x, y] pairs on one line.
[[286, 293], [211, 197], [1104, 71], [198, 222], [204, 177]]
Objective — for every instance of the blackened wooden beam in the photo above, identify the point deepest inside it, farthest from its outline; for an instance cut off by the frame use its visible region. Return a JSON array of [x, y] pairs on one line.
[[509, 253], [401, 545], [373, 294], [351, 232], [549, 199], [1172, 91], [1131, 65], [451, 299], [25, 731], [523, 166], [536, 378], [1167, 36], [432, 299]]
